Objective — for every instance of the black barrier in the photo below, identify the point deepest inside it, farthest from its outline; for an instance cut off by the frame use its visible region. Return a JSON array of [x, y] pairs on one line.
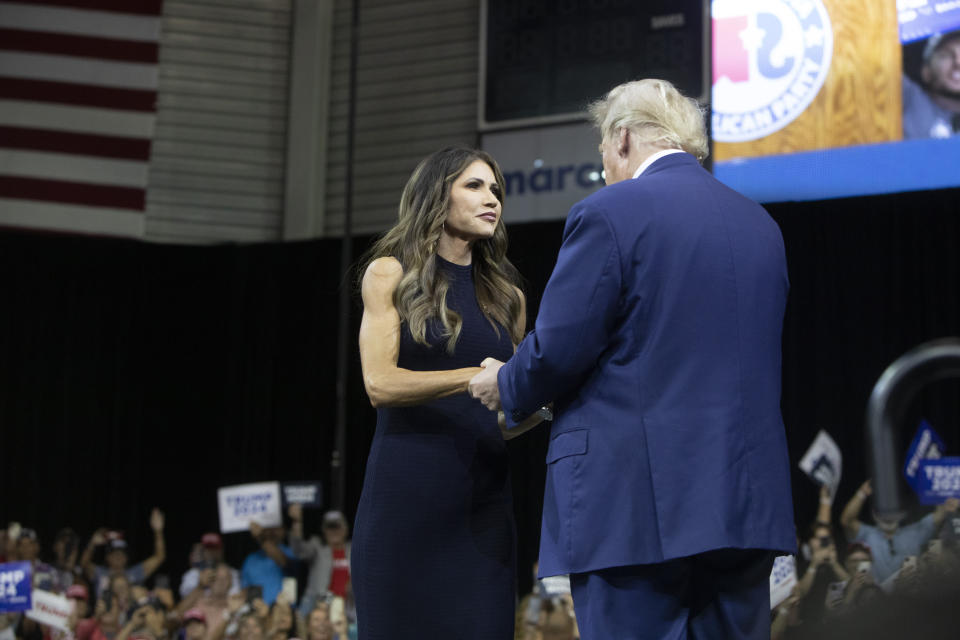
[[886, 409]]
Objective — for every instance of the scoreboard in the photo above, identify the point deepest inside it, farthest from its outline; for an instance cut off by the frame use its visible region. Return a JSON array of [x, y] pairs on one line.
[[543, 61]]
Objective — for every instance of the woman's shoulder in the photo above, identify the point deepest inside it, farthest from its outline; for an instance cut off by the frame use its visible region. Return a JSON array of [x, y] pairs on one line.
[[384, 267], [381, 276]]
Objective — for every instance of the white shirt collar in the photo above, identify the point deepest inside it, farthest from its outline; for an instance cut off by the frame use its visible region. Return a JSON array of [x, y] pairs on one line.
[[653, 158]]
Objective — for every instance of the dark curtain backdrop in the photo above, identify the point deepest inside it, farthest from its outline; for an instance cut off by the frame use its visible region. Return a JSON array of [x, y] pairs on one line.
[[135, 375]]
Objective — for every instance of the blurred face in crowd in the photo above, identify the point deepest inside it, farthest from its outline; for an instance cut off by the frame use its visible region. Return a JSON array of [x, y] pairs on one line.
[[60, 549], [854, 558], [66, 544], [28, 549], [116, 560], [105, 612], [316, 621], [250, 629], [195, 630], [888, 526], [339, 623], [274, 534], [120, 587], [335, 532], [942, 71], [318, 626], [822, 538], [282, 618], [213, 555], [80, 607], [222, 581], [557, 623], [154, 620]]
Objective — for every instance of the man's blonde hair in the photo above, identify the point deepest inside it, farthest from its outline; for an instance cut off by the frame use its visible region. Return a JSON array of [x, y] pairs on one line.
[[656, 113]]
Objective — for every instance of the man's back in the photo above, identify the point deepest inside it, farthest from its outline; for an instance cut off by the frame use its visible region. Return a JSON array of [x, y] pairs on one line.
[[658, 340], [680, 416]]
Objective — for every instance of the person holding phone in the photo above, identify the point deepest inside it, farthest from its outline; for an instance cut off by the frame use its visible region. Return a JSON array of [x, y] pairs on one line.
[[206, 554], [210, 596], [116, 555], [329, 557], [147, 622], [265, 567], [890, 541], [820, 586]]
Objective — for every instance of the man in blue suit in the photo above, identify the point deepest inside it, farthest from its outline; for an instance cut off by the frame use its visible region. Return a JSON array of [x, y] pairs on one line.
[[658, 342]]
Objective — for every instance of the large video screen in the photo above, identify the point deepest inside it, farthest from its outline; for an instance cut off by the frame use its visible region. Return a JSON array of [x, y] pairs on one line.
[[816, 99]]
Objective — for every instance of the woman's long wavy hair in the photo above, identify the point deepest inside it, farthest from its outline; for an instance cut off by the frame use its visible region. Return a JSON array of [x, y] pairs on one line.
[[422, 292]]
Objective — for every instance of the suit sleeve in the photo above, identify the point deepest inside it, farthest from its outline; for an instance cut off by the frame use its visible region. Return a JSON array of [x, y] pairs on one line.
[[575, 321]]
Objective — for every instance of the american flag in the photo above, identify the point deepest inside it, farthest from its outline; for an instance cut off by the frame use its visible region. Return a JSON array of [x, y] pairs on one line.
[[78, 89]]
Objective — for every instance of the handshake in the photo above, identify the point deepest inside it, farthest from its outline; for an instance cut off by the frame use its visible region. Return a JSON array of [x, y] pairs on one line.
[[483, 386]]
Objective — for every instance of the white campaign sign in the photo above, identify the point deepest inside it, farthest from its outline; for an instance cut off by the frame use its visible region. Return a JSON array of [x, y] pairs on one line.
[[50, 609], [239, 504], [783, 579], [823, 462]]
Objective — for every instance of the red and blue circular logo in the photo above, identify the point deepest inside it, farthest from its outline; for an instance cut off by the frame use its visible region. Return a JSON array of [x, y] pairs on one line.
[[770, 59]]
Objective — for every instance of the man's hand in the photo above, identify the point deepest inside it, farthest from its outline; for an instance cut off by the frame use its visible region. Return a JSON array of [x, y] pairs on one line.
[[139, 617], [825, 494], [256, 530], [261, 609], [99, 537], [235, 601], [819, 556], [206, 578], [483, 386], [156, 520], [295, 511]]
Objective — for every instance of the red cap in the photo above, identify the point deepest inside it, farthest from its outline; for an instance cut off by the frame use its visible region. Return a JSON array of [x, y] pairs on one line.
[[78, 591], [211, 540], [194, 614]]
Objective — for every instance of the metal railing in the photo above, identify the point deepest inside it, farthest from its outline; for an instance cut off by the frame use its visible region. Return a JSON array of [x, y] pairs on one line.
[[887, 408]]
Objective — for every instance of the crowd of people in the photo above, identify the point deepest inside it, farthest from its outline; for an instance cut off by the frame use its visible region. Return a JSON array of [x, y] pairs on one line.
[[118, 600], [843, 569], [851, 571]]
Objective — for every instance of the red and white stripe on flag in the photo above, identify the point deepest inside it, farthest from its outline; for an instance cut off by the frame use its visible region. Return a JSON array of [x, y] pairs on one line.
[[78, 90]]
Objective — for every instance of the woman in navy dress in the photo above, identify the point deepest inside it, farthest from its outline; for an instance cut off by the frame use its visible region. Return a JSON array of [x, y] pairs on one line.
[[433, 552]]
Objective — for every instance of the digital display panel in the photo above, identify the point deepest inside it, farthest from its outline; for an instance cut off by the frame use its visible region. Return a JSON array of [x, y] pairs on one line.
[[816, 99], [808, 99], [546, 59]]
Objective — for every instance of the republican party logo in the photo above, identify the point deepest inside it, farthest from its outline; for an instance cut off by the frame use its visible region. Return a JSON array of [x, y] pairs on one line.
[[770, 58]]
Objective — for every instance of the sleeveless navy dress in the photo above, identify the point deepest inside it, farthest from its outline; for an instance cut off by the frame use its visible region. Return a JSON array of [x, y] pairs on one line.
[[433, 552]]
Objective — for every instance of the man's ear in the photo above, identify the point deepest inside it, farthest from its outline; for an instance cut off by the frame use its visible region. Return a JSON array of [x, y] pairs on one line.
[[623, 142]]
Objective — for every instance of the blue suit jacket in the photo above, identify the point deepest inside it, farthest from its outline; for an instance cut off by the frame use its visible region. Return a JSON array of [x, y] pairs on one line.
[[658, 340]]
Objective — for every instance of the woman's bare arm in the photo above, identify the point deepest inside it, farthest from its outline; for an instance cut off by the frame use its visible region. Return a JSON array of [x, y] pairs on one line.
[[387, 384]]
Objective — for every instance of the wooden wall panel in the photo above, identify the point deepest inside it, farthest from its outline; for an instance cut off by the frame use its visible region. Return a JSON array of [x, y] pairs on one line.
[[860, 101]]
